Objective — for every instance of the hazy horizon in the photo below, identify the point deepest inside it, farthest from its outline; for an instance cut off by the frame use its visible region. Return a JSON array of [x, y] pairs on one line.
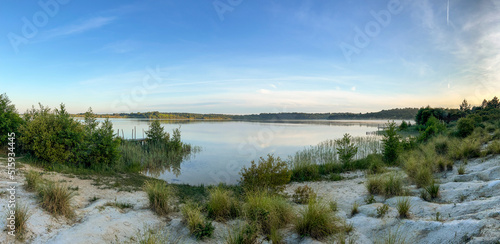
[[249, 57]]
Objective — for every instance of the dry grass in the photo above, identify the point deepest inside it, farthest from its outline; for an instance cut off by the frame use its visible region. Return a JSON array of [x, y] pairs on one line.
[[403, 205], [56, 198], [222, 205], [33, 179], [268, 212], [317, 221]]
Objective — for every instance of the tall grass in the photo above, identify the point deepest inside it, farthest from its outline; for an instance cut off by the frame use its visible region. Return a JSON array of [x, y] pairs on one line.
[[56, 198], [389, 184], [160, 196], [21, 216], [222, 205], [316, 221], [268, 212]]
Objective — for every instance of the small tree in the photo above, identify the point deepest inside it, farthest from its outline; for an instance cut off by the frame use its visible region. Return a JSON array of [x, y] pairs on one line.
[[392, 143], [346, 150], [465, 106], [156, 133]]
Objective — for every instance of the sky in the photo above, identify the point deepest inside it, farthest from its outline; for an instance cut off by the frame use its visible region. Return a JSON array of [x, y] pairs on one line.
[[244, 57]]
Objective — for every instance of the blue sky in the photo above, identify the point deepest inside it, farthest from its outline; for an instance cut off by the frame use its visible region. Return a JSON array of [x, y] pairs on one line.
[[242, 56]]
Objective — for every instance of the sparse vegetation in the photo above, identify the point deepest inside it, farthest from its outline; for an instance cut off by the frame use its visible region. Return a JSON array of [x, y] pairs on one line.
[[242, 234], [354, 209], [432, 189], [21, 216], [268, 212], [33, 179], [389, 184], [382, 210], [160, 196]]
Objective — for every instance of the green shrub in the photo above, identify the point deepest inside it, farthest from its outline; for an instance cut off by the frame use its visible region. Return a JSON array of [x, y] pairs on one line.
[[403, 205], [33, 180], [10, 121], [305, 172], [303, 194], [221, 204], [465, 126], [243, 234], [159, 195], [270, 174], [441, 145], [382, 210], [268, 212], [197, 224], [377, 165], [346, 150], [433, 127], [316, 221], [56, 198], [392, 144]]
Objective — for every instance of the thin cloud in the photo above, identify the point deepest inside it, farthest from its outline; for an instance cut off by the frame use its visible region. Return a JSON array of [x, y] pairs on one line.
[[77, 28]]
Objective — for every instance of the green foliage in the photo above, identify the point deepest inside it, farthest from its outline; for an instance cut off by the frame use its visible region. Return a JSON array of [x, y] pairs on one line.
[[268, 212], [392, 144], [33, 180], [316, 221], [465, 126], [432, 127], [494, 147], [197, 224], [270, 174], [354, 209], [55, 137], [461, 169], [346, 150], [404, 125], [10, 121], [303, 194], [156, 133], [221, 204], [403, 205], [160, 195], [389, 184]]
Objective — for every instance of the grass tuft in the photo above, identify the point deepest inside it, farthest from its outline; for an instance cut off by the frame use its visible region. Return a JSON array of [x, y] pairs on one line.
[[303, 194], [56, 198], [354, 209], [222, 205], [268, 212], [196, 222], [461, 169], [159, 195], [432, 189], [403, 205], [33, 179], [243, 234], [21, 216], [316, 221]]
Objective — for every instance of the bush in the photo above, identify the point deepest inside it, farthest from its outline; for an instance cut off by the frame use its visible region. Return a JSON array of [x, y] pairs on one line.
[[243, 234], [270, 174], [268, 212], [10, 121], [377, 165], [56, 199], [375, 185], [346, 150], [403, 205], [305, 172], [197, 224], [392, 144], [464, 149], [303, 194], [221, 204], [159, 195], [433, 127], [465, 126], [316, 221]]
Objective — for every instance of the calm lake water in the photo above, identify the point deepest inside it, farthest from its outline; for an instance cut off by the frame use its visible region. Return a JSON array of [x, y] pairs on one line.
[[227, 146]]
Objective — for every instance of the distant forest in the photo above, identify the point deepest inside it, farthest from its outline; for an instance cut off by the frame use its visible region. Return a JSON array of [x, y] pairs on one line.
[[398, 113]]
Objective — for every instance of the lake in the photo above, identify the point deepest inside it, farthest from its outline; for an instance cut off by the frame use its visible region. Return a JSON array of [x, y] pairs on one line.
[[227, 146]]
